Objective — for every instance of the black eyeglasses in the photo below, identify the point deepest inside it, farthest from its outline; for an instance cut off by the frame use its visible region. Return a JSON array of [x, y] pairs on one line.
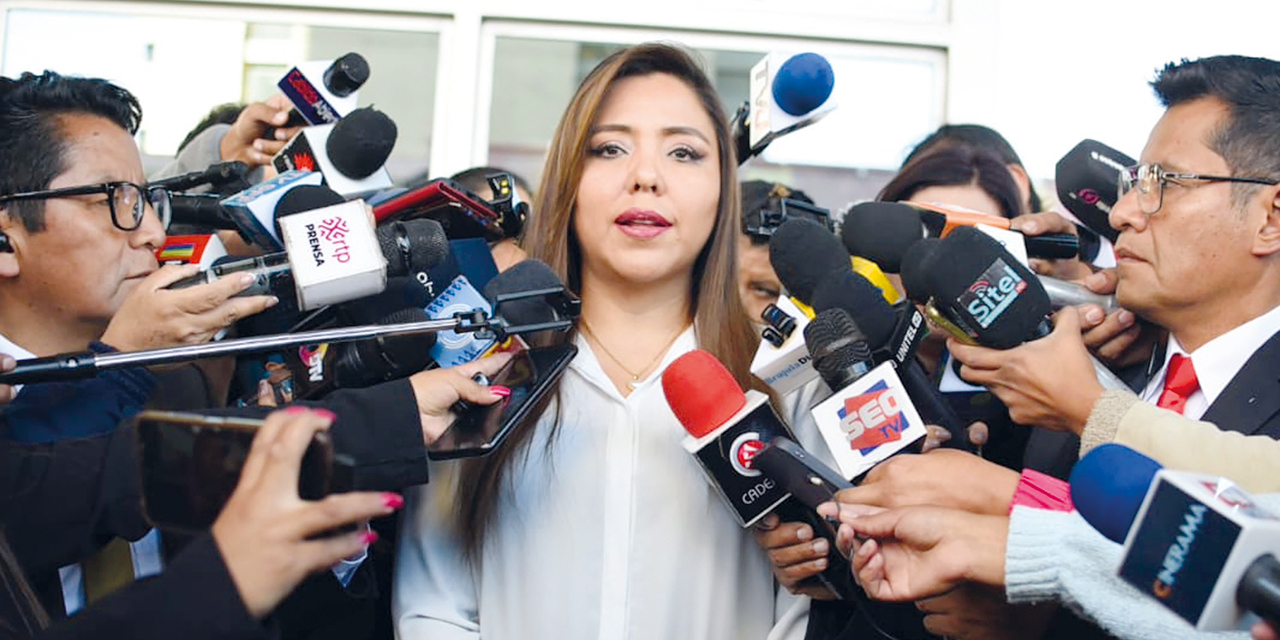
[[765, 222], [127, 201], [1150, 180]]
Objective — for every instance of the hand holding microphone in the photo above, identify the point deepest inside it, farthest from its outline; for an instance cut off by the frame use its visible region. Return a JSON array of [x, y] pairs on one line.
[[259, 132], [153, 316], [1050, 223], [1049, 382], [912, 553]]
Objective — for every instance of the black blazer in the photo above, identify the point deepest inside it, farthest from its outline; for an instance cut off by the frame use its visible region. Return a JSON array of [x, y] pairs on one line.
[[60, 501], [1250, 403]]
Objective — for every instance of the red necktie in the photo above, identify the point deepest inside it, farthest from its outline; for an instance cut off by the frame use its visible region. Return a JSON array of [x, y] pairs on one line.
[[1179, 383]]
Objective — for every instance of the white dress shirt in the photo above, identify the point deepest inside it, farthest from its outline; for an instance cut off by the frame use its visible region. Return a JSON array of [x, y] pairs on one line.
[[1216, 362], [609, 529]]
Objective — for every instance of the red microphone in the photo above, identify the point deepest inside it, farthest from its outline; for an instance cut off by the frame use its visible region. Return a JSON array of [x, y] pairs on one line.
[[727, 429]]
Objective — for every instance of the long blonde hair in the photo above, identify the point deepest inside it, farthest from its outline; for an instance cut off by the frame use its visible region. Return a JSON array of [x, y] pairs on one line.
[[721, 324]]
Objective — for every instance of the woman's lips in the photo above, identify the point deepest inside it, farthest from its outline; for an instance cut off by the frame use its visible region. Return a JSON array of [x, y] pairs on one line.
[[642, 224]]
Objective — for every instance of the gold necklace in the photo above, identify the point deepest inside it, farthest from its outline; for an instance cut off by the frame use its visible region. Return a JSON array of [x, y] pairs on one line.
[[634, 382]]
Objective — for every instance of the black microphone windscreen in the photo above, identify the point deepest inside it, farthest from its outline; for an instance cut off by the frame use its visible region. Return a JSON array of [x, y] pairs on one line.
[[803, 253], [401, 292], [862, 301], [528, 275], [915, 263], [369, 362], [346, 74], [306, 197], [839, 348], [984, 286], [412, 246], [1086, 179], [881, 232], [361, 142]]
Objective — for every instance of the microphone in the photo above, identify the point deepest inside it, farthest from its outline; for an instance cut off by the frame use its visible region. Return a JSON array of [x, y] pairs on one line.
[[253, 211], [404, 247], [882, 231], [200, 249], [1198, 544], [893, 333], [1086, 179], [318, 368], [363, 364], [870, 417], [981, 290], [202, 210], [322, 92], [529, 297], [348, 155], [803, 253], [726, 429], [223, 177], [787, 94]]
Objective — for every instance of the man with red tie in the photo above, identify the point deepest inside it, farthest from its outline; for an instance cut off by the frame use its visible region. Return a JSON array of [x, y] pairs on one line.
[[1198, 254]]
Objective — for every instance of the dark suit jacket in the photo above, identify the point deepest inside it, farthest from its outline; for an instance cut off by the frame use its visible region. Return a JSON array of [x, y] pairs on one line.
[[60, 501], [194, 599], [1250, 404]]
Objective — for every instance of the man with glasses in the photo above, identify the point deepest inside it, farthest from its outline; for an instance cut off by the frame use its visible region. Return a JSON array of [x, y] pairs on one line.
[[77, 257], [1198, 254], [79, 230]]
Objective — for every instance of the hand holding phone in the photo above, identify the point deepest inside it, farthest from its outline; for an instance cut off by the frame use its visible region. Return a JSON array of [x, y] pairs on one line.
[[528, 374], [268, 536], [192, 464]]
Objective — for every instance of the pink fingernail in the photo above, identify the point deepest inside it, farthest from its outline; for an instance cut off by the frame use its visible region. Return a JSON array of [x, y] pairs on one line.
[[368, 537], [326, 414], [392, 500], [500, 391]]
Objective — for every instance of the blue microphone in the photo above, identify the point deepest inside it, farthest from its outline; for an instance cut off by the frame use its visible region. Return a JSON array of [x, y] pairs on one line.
[[803, 83], [786, 94], [1108, 486], [1197, 544]]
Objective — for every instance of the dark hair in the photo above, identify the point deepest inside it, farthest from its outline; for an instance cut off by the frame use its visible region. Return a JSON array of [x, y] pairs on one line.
[[475, 178], [221, 114], [973, 136], [957, 166], [33, 144], [759, 195], [1250, 139]]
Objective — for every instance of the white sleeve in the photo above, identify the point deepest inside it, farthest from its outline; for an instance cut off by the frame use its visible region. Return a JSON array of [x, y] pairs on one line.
[[434, 595], [1055, 555]]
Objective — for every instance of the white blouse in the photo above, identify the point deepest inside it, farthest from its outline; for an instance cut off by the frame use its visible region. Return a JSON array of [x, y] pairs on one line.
[[612, 533]]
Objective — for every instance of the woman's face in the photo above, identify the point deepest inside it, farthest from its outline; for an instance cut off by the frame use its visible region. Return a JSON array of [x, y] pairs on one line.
[[651, 183]]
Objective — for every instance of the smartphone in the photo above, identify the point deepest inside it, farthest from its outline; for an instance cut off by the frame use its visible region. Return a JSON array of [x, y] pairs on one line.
[[529, 375], [191, 463], [810, 483], [805, 477], [462, 213]]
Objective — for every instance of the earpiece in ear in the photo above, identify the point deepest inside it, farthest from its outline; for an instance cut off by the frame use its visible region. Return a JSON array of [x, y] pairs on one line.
[[5, 246]]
